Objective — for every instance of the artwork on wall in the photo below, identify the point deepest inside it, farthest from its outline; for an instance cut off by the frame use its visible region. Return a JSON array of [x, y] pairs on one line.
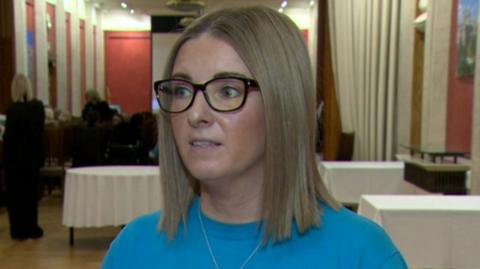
[[466, 36], [31, 57]]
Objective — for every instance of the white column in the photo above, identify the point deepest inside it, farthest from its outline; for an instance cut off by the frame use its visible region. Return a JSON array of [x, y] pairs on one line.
[[76, 75], [100, 61], [475, 150], [89, 12], [435, 76], [61, 57], [41, 51], [20, 25], [405, 74]]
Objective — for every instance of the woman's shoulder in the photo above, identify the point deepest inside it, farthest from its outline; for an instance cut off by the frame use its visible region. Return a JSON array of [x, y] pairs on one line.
[[137, 237], [139, 229], [144, 223], [364, 238], [352, 240], [348, 224]]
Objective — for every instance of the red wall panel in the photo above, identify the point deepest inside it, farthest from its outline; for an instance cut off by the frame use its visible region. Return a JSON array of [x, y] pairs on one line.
[[31, 45], [305, 35], [128, 70], [460, 98]]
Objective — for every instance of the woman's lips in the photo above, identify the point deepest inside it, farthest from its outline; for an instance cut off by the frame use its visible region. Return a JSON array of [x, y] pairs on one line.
[[204, 143]]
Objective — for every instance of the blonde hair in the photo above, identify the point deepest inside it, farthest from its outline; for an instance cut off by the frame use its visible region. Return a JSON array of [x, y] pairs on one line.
[[92, 95], [273, 49], [21, 88]]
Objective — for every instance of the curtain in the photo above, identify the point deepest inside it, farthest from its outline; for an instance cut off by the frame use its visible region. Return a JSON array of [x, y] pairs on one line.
[[364, 37]]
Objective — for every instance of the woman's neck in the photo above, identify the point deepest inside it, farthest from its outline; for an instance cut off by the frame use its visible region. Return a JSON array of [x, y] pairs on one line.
[[231, 204]]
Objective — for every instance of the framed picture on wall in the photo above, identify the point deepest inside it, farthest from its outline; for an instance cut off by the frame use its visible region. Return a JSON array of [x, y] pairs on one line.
[[31, 58], [467, 16]]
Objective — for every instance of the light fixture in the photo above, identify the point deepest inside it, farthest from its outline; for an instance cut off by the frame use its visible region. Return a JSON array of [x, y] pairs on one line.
[[312, 3], [280, 10], [186, 5], [132, 11], [185, 21], [124, 5], [284, 4]]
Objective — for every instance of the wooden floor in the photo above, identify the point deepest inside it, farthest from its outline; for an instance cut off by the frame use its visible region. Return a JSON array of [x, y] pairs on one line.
[[53, 250]]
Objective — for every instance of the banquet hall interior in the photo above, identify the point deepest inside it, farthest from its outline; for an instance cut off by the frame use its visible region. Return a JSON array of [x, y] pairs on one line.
[[398, 117]]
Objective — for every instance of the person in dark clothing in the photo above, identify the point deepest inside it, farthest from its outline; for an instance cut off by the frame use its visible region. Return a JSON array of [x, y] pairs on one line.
[[96, 108], [23, 155]]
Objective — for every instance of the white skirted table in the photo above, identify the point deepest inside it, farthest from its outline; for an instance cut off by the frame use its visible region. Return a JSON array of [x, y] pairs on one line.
[[431, 231], [348, 181], [109, 195]]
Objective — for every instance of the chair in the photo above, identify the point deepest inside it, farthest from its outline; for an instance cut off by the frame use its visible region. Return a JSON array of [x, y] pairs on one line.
[[124, 154], [53, 171], [126, 144], [89, 145], [345, 149]]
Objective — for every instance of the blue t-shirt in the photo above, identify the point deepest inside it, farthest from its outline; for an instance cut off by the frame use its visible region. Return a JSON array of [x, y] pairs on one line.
[[343, 241]]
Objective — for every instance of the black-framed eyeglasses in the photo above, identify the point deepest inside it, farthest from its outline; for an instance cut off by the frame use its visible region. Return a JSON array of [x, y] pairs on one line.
[[222, 94]]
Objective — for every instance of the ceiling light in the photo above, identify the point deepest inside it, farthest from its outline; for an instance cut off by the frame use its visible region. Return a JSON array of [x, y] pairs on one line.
[[284, 4], [312, 3], [280, 10], [124, 5], [186, 5], [132, 11], [185, 21]]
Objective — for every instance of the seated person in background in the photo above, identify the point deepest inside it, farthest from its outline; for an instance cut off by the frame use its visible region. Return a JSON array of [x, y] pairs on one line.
[[64, 116], [94, 105], [49, 115]]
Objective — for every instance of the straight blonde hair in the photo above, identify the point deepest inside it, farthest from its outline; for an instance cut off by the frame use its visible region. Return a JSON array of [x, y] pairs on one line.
[[21, 89], [273, 49]]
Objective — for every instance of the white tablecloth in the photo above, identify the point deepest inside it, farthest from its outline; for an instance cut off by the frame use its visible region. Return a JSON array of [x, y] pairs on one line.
[[347, 181], [110, 195], [430, 231]]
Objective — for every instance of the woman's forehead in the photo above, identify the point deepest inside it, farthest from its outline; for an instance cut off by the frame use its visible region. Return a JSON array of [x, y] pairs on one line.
[[205, 56]]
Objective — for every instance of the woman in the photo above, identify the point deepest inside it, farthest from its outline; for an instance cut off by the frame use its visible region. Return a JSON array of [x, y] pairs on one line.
[[237, 159], [23, 155], [95, 110]]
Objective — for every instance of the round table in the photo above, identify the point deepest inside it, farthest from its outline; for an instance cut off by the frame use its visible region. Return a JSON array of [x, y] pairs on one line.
[[109, 195]]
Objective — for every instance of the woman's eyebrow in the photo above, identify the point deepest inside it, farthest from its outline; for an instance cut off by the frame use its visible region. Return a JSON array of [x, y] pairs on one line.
[[185, 76], [229, 74], [182, 76]]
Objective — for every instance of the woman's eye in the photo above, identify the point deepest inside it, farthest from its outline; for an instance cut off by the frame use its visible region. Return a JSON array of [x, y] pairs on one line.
[[182, 92], [229, 92]]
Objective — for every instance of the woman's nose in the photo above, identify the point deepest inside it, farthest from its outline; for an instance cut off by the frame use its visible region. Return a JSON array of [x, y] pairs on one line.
[[200, 113]]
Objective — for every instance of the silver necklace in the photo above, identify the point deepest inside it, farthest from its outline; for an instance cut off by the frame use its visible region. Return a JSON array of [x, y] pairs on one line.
[[254, 251]]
